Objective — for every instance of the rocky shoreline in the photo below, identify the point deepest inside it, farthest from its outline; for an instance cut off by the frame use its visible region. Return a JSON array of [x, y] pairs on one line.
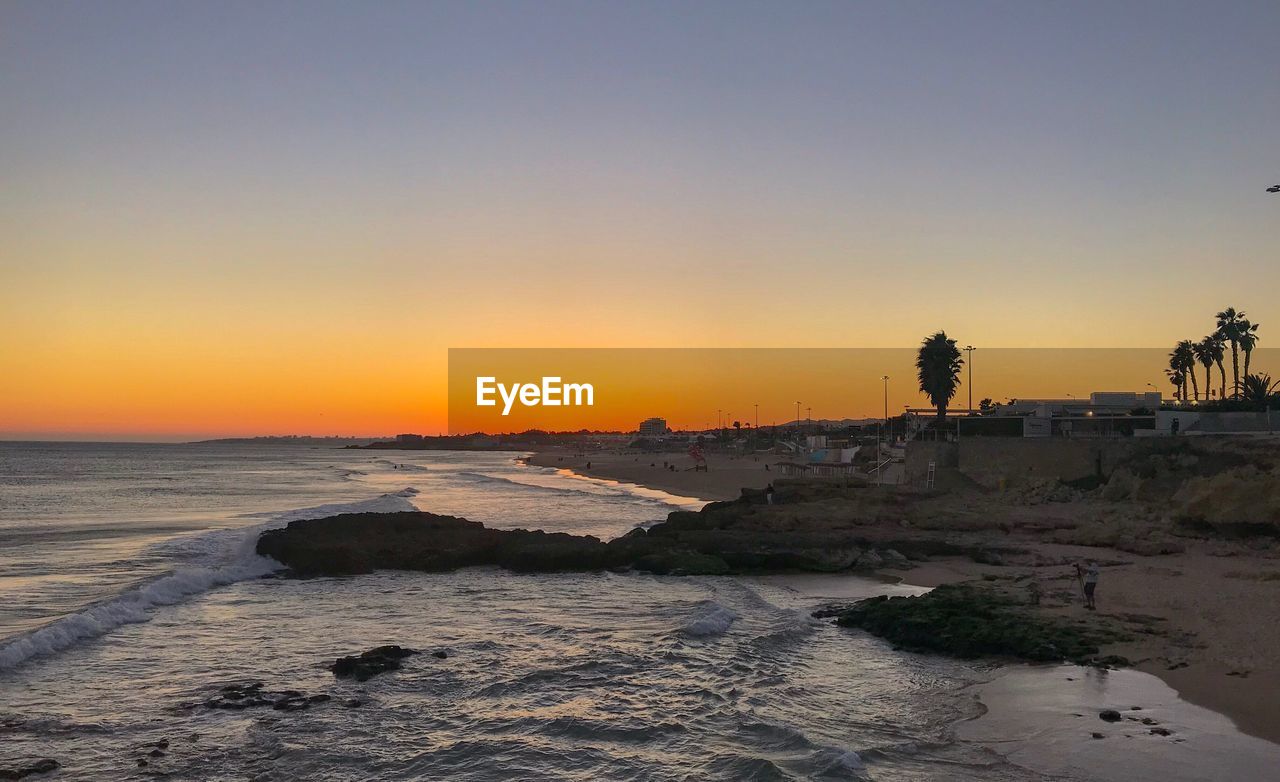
[[741, 536], [745, 536], [1184, 534], [969, 621]]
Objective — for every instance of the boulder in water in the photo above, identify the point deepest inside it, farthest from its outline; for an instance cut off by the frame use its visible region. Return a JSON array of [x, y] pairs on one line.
[[236, 697], [368, 664]]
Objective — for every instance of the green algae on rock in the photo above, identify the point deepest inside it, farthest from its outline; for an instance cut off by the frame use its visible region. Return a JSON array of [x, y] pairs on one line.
[[968, 621]]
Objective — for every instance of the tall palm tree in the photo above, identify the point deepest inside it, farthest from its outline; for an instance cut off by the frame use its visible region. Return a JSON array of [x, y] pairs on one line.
[[1178, 379], [939, 363], [1230, 326], [1248, 341], [1218, 349], [1183, 358], [1203, 351]]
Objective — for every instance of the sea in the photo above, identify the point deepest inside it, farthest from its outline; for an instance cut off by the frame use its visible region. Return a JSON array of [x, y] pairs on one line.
[[130, 594]]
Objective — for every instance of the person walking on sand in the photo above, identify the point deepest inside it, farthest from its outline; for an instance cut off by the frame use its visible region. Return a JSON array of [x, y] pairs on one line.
[[1090, 584], [768, 494]]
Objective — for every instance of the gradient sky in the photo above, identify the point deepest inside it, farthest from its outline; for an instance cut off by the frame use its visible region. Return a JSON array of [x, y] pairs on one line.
[[248, 217]]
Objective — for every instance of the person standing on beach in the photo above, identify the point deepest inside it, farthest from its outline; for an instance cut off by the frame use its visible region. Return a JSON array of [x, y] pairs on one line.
[[1090, 584], [768, 494]]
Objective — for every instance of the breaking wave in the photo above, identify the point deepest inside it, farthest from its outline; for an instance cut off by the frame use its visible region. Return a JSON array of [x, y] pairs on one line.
[[220, 557], [714, 619]]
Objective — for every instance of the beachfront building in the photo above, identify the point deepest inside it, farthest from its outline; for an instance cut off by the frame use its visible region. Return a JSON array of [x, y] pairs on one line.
[[1098, 403], [1101, 414], [654, 428]]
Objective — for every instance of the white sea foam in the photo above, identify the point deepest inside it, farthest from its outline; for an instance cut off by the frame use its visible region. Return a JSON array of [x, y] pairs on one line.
[[223, 557], [714, 619]]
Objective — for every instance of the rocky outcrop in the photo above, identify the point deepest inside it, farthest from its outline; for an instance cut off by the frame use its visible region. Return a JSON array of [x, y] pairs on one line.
[[1241, 502], [355, 543], [368, 664], [237, 697], [968, 621], [723, 538]]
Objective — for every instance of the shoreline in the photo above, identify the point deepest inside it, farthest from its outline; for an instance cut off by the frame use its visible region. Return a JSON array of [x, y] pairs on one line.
[[724, 479], [1202, 626], [1045, 717], [1197, 670]]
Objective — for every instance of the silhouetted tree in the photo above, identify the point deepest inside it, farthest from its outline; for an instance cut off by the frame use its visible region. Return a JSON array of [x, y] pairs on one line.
[[1230, 326], [1259, 389], [1208, 351], [938, 363], [1178, 380], [1183, 358], [1248, 341]]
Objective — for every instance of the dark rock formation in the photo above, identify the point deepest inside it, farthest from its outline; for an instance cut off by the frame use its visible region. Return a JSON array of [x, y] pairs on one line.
[[1109, 715], [722, 538], [967, 621], [361, 542], [38, 767], [368, 664], [235, 697]]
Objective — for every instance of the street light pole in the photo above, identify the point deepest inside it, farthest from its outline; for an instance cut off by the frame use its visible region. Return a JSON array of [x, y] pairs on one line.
[[880, 434], [969, 349]]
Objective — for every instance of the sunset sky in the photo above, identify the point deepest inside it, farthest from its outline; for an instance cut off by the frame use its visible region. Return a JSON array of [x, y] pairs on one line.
[[243, 218]]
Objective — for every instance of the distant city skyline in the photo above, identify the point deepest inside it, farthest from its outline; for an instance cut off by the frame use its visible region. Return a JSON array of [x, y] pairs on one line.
[[236, 218]]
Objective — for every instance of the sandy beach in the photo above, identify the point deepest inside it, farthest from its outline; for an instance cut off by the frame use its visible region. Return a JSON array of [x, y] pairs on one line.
[[724, 478], [1208, 621], [1045, 716], [1205, 620]]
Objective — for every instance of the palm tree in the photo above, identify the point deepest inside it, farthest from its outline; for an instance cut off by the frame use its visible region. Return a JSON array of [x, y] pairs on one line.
[[939, 363], [1183, 358], [1203, 351], [1258, 388], [1230, 326], [1217, 348], [1248, 341], [1178, 379]]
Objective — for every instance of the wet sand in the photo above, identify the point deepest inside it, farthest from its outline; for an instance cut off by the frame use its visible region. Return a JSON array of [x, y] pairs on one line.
[[1214, 620], [724, 478], [1044, 717]]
